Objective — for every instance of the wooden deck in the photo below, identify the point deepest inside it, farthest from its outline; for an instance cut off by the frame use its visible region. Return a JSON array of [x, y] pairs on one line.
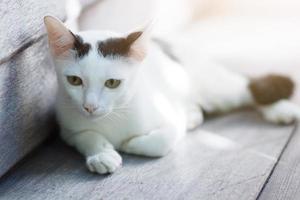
[[237, 156]]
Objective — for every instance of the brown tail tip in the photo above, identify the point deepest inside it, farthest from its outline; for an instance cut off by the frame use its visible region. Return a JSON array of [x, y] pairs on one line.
[[271, 88]]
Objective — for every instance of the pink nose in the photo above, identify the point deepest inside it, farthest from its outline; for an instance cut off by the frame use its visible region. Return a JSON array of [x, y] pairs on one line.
[[90, 108]]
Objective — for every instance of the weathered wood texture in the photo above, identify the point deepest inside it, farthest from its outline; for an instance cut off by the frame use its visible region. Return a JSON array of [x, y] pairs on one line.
[[27, 78], [21, 23], [285, 180], [231, 161], [27, 94]]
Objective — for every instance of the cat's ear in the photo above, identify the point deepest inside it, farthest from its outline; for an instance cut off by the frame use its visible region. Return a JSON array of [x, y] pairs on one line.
[[60, 38], [138, 41]]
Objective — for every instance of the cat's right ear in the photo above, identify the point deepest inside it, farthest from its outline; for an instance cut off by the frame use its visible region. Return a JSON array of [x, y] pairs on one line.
[[61, 40]]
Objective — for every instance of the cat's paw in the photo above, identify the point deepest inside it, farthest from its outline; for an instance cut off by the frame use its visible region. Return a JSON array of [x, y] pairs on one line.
[[105, 162], [154, 144], [282, 112], [194, 119]]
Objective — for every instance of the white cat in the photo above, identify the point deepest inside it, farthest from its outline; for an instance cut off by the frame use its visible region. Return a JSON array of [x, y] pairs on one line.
[[126, 92]]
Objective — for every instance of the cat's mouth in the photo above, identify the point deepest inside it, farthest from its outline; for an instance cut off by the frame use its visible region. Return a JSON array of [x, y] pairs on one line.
[[95, 115]]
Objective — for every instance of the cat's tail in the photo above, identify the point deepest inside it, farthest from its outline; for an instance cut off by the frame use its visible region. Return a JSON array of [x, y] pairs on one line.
[[271, 93], [271, 88]]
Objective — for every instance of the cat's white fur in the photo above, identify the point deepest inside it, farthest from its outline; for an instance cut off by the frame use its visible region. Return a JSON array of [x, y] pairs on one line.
[[158, 100]]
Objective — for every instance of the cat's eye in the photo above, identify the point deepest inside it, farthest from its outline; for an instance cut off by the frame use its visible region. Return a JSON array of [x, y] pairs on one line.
[[112, 83], [74, 80]]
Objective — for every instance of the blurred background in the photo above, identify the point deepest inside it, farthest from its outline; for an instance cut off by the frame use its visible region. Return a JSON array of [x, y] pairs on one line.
[[251, 36]]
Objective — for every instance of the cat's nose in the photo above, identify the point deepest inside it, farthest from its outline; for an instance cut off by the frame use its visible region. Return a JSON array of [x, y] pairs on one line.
[[90, 108]]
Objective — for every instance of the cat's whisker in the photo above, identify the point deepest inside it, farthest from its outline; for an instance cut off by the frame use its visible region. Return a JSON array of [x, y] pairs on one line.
[[105, 116], [122, 109], [125, 107], [116, 115], [110, 118], [120, 115]]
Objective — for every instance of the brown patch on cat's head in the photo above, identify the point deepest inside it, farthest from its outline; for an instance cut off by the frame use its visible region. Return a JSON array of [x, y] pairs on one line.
[[81, 48], [122, 46], [271, 88]]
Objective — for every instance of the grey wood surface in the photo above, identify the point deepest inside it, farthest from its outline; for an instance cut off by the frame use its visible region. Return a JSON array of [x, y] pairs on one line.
[[232, 159], [27, 94], [27, 78], [285, 180], [21, 23]]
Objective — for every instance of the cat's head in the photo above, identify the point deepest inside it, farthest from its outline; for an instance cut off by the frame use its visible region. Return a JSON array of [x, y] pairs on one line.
[[97, 70]]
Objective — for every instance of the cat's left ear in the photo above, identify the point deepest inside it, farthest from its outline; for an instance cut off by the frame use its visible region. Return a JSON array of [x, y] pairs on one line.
[[138, 41], [60, 38]]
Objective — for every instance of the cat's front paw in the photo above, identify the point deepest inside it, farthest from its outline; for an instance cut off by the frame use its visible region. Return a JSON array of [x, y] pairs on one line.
[[105, 162], [194, 119], [282, 112], [157, 143]]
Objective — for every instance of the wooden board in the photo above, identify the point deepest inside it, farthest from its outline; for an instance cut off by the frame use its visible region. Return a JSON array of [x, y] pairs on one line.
[[21, 23], [285, 180], [27, 77], [231, 161], [27, 95]]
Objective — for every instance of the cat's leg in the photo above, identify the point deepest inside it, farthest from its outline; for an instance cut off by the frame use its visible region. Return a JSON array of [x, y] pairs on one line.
[[268, 94], [282, 112], [156, 143], [221, 90], [194, 116], [100, 154]]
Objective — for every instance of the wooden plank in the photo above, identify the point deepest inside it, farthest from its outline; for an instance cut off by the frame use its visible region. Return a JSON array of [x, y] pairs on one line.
[[21, 23], [285, 180], [27, 78], [231, 161], [27, 95]]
